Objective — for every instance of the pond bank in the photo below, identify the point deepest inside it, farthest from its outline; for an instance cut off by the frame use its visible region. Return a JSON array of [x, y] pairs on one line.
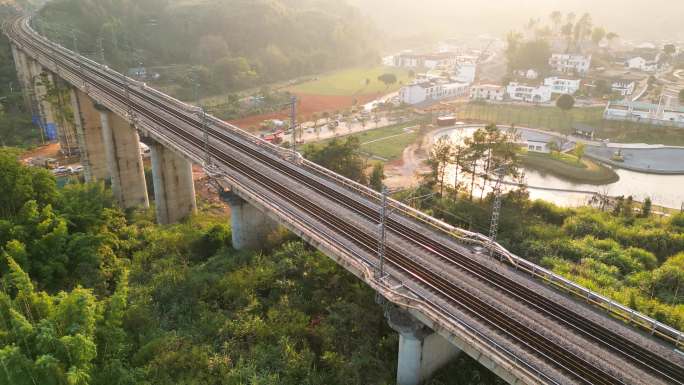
[[588, 172]]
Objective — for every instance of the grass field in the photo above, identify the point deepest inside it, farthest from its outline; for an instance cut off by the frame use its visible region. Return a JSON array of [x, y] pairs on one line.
[[386, 142], [352, 82], [553, 119]]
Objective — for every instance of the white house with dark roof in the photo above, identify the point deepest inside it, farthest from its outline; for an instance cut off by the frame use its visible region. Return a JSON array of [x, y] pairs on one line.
[[570, 63]]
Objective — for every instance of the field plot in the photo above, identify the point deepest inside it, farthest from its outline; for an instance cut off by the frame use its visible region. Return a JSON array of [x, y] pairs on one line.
[[352, 82]]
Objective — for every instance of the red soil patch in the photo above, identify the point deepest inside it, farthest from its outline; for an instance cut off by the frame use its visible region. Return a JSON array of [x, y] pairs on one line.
[[308, 105], [50, 150]]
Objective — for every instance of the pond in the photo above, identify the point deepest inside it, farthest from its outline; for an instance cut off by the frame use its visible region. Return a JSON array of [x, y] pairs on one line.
[[664, 190]]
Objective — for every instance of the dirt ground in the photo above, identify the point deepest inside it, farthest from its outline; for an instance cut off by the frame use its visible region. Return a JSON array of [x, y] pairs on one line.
[[50, 150], [308, 105]]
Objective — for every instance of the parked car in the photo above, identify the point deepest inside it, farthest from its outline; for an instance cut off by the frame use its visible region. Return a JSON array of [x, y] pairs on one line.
[[61, 170], [77, 169]]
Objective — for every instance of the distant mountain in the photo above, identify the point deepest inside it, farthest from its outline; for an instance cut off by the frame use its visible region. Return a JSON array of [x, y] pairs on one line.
[[234, 43]]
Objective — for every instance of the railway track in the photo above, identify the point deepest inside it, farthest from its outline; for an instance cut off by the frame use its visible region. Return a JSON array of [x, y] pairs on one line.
[[563, 359]]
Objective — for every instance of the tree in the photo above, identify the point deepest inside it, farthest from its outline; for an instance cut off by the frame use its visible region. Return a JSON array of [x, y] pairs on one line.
[[579, 150], [556, 18], [527, 55], [388, 79], [440, 157], [670, 49], [646, 208], [553, 147], [20, 184], [597, 35], [340, 156], [377, 176], [565, 102]]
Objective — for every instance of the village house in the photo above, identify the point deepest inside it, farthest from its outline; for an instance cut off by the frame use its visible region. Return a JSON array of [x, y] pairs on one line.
[[465, 72], [420, 92], [529, 74], [642, 64], [658, 114], [570, 63], [430, 61], [526, 93], [563, 86], [491, 92], [623, 87], [538, 146]]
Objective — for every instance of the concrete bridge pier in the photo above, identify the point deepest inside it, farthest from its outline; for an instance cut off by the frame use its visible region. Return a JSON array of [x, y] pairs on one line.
[[55, 112], [122, 148], [45, 111], [174, 188], [89, 133], [421, 351], [249, 226]]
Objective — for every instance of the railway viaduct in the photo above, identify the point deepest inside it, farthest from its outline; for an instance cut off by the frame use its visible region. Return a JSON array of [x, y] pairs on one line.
[[446, 291]]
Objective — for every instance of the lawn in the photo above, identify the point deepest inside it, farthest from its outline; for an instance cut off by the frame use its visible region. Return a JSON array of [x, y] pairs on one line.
[[385, 142], [392, 147], [553, 119], [352, 82]]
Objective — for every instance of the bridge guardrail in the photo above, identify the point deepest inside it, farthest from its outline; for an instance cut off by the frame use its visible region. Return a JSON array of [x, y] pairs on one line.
[[612, 307], [623, 312]]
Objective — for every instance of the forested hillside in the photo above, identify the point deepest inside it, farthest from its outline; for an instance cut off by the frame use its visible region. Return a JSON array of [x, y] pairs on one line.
[[16, 128], [233, 43]]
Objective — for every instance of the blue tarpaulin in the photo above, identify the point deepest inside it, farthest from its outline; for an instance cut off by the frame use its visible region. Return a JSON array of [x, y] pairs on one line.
[[49, 129]]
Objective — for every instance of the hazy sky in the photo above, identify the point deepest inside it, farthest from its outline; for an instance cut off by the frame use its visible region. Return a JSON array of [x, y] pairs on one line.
[[635, 19]]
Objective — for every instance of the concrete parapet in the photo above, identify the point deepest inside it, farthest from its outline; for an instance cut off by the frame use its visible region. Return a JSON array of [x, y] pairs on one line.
[[174, 188], [122, 148], [421, 351], [249, 226]]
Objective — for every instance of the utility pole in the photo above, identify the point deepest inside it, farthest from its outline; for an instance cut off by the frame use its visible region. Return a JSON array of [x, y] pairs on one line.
[[203, 117], [293, 125], [75, 40], [496, 209], [383, 234], [100, 50], [205, 134]]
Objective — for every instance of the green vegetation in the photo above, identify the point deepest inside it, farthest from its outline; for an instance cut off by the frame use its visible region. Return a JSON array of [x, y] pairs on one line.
[[16, 128], [93, 295], [567, 167], [615, 249], [392, 147], [386, 142], [553, 119], [223, 45], [354, 82]]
